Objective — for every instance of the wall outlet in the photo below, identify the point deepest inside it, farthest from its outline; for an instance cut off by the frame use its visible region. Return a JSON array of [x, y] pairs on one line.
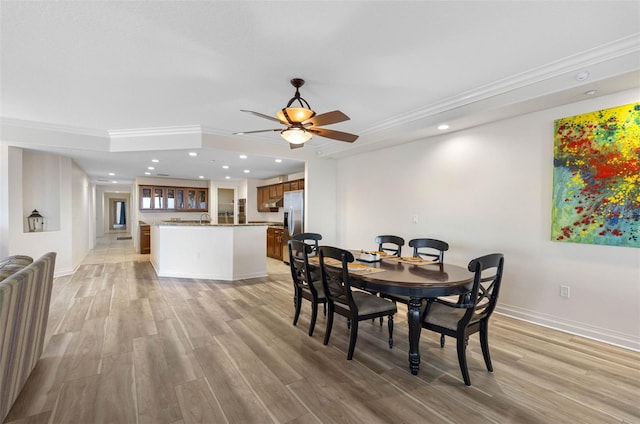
[[565, 291], [414, 219]]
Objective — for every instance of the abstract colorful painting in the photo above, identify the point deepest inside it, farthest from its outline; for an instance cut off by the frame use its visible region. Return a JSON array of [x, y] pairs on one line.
[[596, 178]]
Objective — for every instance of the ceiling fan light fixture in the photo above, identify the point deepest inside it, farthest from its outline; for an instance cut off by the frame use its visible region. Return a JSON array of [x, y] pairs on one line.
[[296, 135], [295, 114], [302, 122]]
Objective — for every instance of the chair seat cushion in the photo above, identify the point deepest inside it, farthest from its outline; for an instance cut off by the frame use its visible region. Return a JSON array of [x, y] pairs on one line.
[[369, 304], [319, 289], [446, 316]]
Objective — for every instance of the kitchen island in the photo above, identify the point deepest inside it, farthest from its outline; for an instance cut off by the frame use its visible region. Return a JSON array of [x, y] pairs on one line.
[[209, 251]]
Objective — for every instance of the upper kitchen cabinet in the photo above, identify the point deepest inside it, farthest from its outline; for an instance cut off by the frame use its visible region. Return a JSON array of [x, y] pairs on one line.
[[145, 197], [187, 199], [263, 196], [268, 196], [275, 191], [297, 185]]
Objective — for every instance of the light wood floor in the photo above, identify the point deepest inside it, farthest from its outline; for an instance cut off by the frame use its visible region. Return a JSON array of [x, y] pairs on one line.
[[124, 346]]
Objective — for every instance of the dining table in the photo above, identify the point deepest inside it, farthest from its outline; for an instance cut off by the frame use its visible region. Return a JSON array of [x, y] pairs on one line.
[[411, 277]]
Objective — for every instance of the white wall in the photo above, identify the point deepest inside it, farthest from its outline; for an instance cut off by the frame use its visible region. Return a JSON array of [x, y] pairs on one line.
[[41, 188], [320, 199], [71, 186], [4, 199], [488, 189], [82, 207]]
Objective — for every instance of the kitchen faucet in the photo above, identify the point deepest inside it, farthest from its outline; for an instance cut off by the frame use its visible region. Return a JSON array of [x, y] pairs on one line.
[[205, 215]]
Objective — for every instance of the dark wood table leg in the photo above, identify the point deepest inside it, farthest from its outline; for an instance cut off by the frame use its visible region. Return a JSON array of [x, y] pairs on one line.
[[413, 317]]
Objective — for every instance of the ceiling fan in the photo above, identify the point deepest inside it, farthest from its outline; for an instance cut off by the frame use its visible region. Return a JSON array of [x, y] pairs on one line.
[[302, 122]]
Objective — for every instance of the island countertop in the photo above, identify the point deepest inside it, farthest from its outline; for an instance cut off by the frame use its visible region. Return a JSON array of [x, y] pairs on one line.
[[209, 251], [209, 224]]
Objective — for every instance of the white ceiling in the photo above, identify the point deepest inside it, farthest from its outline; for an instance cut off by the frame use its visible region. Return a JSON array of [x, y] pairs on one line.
[[156, 79]]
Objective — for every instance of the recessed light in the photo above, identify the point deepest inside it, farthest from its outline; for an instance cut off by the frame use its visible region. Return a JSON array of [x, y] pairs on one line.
[[201, 176], [443, 127], [590, 92], [225, 166], [150, 168], [246, 171], [111, 174], [243, 156], [227, 177], [115, 182], [193, 154], [147, 173], [581, 76], [278, 160], [155, 160]]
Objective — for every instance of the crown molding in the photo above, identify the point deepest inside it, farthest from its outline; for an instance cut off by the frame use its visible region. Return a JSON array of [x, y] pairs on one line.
[[43, 126], [157, 131], [597, 55]]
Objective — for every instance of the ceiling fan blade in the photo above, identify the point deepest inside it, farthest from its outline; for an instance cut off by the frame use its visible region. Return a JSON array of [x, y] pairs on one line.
[[262, 115], [336, 135], [328, 118], [295, 146], [256, 131]]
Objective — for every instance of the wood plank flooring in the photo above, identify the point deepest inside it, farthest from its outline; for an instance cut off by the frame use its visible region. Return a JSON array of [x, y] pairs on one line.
[[124, 346]]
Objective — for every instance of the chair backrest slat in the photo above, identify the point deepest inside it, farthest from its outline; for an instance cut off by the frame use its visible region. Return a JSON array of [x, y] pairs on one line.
[[335, 276], [299, 265]]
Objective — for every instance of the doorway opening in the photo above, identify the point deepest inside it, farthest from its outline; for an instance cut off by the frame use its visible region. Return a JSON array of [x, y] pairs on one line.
[[119, 214], [226, 205]]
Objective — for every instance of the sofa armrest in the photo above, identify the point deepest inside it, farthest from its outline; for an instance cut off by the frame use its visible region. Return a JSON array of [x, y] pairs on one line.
[[12, 264]]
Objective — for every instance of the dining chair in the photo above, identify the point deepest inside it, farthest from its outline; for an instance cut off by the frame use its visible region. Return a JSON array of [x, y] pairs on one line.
[[355, 305], [305, 287], [309, 238], [471, 314], [434, 248], [386, 240], [312, 240]]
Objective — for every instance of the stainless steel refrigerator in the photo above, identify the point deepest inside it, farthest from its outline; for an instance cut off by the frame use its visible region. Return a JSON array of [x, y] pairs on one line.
[[293, 219]]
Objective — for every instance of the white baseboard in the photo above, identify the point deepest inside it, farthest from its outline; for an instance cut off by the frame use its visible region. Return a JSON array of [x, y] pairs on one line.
[[62, 272], [604, 335]]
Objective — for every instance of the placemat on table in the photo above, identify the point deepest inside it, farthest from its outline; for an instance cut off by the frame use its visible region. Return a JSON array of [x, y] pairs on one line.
[[362, 269], [353, 267], [411, 260]]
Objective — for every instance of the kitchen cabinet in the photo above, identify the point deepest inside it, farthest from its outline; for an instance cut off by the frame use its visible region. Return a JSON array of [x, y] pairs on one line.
[[162, 198], [297, 185], [270, 193], [158, 198], [274, 242], [145, 238], [152, 198], [145, 197], [263, 198], [275, 191]]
